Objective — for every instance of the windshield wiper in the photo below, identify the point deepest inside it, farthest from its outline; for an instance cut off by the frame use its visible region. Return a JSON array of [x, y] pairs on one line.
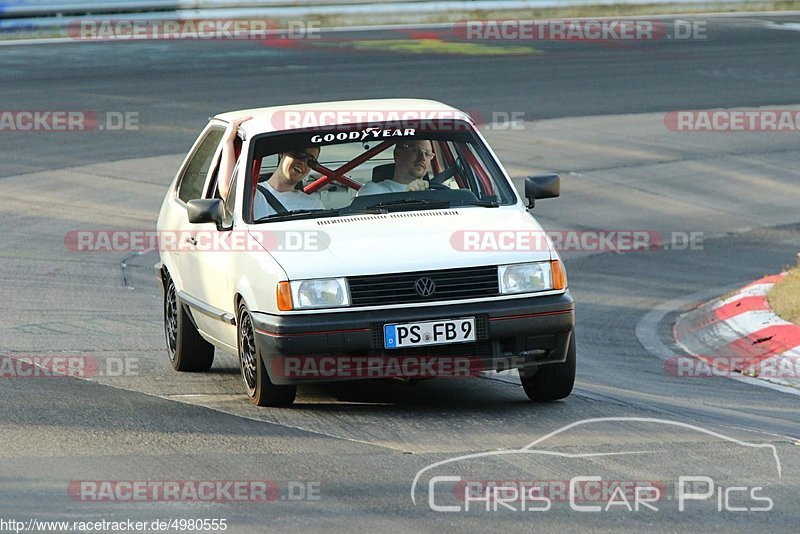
[[411, 203], [299, 214], [485, 203], [311, 214], [368, 210]]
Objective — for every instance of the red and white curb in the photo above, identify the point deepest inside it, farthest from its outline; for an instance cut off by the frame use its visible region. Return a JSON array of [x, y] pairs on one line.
[[739, 337]]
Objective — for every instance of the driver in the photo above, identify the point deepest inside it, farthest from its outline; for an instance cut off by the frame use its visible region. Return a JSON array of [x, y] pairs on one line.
[[411, 160]]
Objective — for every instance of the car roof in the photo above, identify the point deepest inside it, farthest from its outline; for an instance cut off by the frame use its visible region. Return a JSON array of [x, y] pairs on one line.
[[273, 119]]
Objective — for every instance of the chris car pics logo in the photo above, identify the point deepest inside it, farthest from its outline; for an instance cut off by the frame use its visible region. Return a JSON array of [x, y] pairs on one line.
[[449, 490]]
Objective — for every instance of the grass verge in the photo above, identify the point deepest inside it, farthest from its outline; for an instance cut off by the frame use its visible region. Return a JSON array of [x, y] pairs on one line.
[[784, 297]]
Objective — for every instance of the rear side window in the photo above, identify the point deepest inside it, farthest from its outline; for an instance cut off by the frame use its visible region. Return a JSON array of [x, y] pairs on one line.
[[194, 176]]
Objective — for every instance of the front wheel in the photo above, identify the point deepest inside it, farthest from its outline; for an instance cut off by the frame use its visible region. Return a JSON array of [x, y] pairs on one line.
[[188, 351], [552, 381], [260, 389]]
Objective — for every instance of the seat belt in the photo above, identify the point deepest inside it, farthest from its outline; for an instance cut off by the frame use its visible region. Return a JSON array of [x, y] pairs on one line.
[[272, 201]]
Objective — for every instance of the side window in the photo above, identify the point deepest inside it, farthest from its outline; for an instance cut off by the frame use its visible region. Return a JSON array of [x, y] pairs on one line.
[[194, 176]]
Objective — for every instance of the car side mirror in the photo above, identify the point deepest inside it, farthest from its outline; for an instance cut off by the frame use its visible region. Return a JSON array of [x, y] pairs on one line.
[[206, 210], [541, 186]]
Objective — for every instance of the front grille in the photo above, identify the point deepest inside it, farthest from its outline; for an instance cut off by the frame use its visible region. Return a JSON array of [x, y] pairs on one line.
[[451, 284]]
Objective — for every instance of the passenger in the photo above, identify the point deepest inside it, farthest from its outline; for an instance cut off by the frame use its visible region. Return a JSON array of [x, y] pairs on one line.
[[293, 167], [411, 159]]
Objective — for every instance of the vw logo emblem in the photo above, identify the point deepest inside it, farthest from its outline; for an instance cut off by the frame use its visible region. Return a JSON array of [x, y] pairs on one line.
[[425, 287]]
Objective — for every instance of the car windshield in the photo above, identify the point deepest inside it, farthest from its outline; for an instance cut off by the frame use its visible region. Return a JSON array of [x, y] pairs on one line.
[[374, 168]]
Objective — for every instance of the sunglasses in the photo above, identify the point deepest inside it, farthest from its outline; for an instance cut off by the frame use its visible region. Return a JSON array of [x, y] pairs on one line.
[[420, 152], [309, 160]]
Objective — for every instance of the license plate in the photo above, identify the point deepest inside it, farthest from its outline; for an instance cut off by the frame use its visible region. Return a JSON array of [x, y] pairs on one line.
[[429, 333]]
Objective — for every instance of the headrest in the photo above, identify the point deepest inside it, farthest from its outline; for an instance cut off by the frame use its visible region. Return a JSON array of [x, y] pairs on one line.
[[383, 172], [386, 172]]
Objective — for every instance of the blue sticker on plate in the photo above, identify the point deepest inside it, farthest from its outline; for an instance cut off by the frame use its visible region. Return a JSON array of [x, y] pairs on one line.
[[390, 336]]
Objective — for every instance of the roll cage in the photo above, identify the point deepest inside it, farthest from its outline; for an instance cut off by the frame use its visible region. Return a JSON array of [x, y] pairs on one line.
[[447, 156]]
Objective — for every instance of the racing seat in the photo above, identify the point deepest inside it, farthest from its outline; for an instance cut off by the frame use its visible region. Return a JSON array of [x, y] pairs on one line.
[[386, 172], [382, 172]]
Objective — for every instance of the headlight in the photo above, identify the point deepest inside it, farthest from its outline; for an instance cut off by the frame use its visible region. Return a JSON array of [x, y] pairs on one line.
[[525, 277], [322, 293]]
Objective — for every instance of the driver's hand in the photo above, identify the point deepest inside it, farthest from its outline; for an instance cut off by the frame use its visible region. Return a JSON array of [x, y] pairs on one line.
[[418, 185]]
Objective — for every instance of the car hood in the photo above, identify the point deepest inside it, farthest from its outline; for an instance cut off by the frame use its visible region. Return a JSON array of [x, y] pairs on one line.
[[405, 242]]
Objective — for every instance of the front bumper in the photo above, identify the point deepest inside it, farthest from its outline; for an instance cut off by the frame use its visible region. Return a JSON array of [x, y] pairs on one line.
[[520, 333]]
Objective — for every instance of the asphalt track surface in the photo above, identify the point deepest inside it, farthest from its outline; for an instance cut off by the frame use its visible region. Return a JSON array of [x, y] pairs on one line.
[[593, 112]]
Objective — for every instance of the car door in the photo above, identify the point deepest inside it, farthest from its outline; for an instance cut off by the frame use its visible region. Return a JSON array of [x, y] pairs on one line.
[[178, 231], [208, 262]]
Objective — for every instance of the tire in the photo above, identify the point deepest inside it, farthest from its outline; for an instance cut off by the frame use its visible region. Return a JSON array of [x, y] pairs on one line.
[[259, 388], [187, 349], [552, 381]]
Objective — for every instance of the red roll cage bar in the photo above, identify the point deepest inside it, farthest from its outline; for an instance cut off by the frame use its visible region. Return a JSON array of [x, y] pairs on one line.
[[329, 175]]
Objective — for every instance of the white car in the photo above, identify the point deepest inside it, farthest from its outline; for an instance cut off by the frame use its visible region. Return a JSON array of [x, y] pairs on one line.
[[360, 239]]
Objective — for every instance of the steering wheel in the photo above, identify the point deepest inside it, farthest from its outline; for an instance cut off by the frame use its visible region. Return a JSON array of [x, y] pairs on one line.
[[446, 174], [456, 168], [434, 185]]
